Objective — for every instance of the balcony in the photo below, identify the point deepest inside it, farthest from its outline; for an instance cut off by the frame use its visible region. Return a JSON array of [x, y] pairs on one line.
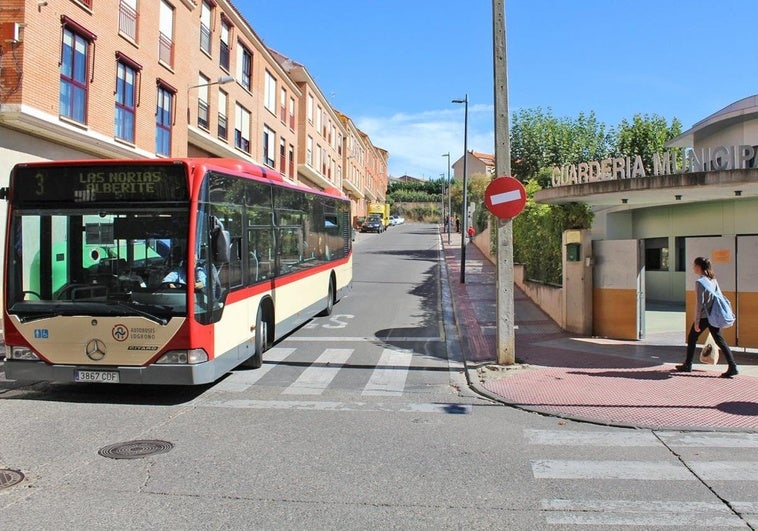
[[202, 115], [224, 56], [205, 38], [166, 50], [222, 127], [127, 20]]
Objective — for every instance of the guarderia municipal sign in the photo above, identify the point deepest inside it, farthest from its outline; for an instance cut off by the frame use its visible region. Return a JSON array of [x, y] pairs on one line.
[[737, 157]]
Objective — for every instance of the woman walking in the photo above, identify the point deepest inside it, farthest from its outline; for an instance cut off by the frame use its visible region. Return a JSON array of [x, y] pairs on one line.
[[703, 300]]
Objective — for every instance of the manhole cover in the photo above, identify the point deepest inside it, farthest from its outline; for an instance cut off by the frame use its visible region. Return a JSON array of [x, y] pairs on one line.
[[135, 449], [8, 478]]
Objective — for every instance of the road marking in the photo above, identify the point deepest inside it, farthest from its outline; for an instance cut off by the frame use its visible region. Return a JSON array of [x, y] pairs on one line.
[[242, 380], [505, 197], [360, 339], [388, 379], [746, 507], [640, 513], [709, 440], [645, 470], [320, 405], [590, 438], [316, 378], [726, 470]]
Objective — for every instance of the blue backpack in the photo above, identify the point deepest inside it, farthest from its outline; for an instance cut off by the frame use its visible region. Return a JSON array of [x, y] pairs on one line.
[[720, 314]]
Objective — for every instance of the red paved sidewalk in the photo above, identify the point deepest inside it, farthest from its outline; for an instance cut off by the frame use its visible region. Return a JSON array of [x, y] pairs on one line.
[[610, 382]]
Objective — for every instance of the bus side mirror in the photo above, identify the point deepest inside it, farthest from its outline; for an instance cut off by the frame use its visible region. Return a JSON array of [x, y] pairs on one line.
[[221, 246]]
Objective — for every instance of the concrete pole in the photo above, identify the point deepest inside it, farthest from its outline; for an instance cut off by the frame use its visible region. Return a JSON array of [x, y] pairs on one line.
[[465, 191], [506, 337], [449, 194]]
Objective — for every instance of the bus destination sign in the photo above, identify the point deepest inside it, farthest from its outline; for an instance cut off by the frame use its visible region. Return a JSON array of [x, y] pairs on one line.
[[100, 183]]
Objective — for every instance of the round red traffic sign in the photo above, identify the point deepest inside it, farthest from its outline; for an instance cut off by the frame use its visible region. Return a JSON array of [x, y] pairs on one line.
[[505, 197]]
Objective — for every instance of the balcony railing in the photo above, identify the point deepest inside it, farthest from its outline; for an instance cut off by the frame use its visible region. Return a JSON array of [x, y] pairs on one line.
[[283, 114], [202, 114], [127, 20], [222, 131], [166, 50], [205, 38], [292, 121], [224, 56]]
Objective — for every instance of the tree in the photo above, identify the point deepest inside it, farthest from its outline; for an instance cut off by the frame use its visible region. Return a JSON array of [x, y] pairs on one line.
[[540, 141], [645, 135]]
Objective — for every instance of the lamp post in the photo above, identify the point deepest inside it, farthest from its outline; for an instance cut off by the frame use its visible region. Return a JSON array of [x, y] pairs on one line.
[[464, 220], [223, 80], [449, 188], [442, 198]]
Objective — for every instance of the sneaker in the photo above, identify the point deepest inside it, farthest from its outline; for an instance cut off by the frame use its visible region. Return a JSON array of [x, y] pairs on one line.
[[684, 368], [732, 371]]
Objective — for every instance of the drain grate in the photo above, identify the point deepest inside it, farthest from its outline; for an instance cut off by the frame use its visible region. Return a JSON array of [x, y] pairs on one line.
[[8, 478], [135, 449]]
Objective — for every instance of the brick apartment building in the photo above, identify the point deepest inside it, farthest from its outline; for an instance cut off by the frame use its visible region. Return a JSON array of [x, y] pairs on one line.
[[159, 78]]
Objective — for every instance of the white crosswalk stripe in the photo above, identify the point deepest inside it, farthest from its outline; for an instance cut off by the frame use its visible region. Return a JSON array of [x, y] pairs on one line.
[[241, 381], [316, 378], [654, 512], [388, 379]]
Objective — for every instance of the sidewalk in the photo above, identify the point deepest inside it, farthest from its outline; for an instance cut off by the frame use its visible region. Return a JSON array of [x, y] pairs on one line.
[[620, 383]]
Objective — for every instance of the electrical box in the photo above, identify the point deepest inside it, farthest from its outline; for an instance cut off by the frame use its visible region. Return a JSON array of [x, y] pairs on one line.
[[573, 252]]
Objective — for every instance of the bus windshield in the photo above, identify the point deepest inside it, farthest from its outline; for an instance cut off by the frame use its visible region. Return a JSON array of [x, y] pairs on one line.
[[97, 261]]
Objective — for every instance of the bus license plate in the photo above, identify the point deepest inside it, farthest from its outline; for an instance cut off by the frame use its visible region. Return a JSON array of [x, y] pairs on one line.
[[96, 376]]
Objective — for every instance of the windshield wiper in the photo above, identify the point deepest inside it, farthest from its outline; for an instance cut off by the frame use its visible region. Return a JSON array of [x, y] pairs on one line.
[[160, 320]]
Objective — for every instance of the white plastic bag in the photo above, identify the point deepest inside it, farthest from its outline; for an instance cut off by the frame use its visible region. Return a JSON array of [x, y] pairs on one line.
[[709, 354]]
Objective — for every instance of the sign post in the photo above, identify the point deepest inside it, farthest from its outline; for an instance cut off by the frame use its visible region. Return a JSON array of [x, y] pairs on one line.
[[506, 335]]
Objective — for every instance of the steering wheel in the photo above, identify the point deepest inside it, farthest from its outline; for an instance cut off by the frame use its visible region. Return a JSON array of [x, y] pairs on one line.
[[30, 292], [173, 285]]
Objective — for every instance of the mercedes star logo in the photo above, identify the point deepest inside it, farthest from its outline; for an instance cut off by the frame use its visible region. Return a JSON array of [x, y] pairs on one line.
[[95, 349]]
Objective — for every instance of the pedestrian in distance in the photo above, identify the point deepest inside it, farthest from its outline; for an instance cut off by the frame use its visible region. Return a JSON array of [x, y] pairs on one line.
[[704, 299], [471, 233], [457, 224]]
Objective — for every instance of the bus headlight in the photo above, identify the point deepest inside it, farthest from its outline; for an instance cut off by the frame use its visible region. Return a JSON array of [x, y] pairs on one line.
[[183, 357], [22, 353]]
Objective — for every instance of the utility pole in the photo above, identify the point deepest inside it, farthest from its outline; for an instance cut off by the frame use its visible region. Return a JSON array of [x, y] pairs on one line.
[[464, 220], [449, 188], [506, 334]]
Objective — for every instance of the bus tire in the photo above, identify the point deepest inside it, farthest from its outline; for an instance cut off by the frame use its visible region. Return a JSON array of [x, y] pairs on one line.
[[260, 342], [329, 299]]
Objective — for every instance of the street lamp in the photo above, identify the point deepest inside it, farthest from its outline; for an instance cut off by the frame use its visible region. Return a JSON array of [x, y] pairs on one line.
[[442, 198], [223, 80], [465, 187], [449, 188]]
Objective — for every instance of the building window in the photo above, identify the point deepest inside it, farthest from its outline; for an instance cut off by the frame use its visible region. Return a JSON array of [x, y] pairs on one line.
[[166, 35], [244, 65], [224, 45], [222, 126], [339, 143], [269, 146], [269, 92], [206, 13], [203, 110], [319, 115], [283, 105], [74, 79], [164, 121], [126, 101], [127, 18], [241, 128], [291, 160], [282, 157], [292, 113], [657, 254], [309, 109], [309, 151]]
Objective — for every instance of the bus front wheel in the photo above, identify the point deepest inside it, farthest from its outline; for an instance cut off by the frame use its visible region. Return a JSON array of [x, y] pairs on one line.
[[260, 342]]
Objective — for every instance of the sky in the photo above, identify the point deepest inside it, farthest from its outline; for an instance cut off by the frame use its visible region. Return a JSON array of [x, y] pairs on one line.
[[394, 66]]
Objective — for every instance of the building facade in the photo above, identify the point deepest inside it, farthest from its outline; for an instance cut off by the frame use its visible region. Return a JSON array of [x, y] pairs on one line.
[[162, 78], [699, 199], [477, 164]]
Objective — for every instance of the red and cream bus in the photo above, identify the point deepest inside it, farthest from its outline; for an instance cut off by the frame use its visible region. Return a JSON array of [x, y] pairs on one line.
[[169, 271]]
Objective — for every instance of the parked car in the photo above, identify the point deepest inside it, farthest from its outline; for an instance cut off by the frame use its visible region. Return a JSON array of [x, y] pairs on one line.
[[373, 224]]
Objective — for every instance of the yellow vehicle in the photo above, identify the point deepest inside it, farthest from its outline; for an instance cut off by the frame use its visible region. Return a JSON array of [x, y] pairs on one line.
[[382, 209]]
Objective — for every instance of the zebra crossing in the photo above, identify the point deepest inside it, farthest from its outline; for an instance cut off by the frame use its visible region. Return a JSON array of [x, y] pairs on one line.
[[693, 459], [385, 376]]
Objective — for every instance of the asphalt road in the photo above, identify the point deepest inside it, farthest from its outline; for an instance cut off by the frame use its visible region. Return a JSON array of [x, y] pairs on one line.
[[360, 420]]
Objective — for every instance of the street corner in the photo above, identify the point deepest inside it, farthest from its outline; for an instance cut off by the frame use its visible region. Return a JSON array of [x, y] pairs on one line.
[[648, 397], [486, 373]]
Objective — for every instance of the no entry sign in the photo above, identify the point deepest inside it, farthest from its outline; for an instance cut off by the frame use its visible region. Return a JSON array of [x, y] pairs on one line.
[[505, 197]]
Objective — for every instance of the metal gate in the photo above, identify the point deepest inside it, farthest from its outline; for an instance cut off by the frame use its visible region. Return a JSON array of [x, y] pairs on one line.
[[618, 295]]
